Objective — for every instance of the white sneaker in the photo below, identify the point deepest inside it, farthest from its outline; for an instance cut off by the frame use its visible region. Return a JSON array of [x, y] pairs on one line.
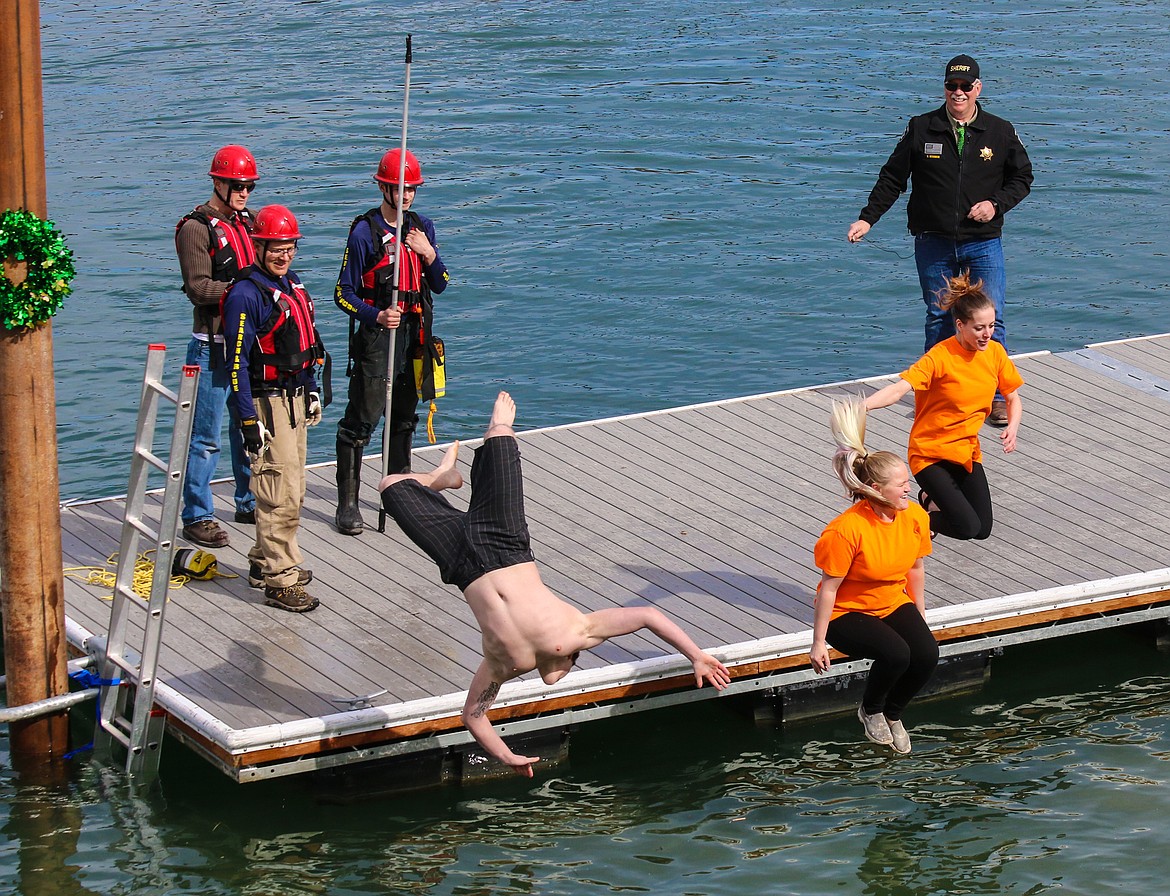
[[901, 742], [876, 727]]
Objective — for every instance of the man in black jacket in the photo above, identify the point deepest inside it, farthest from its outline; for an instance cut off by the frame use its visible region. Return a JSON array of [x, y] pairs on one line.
[[968, 169]]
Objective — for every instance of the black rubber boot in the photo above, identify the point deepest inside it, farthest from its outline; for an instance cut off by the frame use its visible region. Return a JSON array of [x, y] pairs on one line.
[[401, 439], [349, 477]]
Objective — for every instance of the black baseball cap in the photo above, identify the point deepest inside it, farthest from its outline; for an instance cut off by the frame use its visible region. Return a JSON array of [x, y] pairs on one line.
[[962, 66]]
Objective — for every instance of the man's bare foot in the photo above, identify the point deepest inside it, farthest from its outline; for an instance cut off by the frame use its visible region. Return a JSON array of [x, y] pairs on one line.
[[503, 416], [445, 475], [441, 477]]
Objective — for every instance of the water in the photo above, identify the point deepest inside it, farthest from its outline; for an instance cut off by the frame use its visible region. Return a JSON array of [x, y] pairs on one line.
[[1054, 778], [643, 206]]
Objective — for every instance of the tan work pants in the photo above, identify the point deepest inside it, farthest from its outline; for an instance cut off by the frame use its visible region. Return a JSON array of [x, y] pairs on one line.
[[278, 482]]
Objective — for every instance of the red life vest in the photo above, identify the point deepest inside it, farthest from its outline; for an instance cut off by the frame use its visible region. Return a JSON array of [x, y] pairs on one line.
[[287, 342], [230, 246], [376, 288]]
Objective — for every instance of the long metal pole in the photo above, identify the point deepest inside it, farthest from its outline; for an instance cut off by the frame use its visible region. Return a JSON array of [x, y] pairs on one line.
[[32, 590], [386, 428]]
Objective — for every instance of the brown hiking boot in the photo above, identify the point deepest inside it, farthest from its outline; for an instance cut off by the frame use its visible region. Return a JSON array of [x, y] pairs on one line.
[[293, 598], [256, 576], [206, 534], [998, 415]]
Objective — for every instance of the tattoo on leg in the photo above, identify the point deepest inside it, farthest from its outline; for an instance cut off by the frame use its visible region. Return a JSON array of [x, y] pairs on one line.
[[484, 703]]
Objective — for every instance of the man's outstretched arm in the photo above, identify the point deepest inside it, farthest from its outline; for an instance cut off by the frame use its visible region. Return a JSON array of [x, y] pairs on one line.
[[605, 624], [480, 696]]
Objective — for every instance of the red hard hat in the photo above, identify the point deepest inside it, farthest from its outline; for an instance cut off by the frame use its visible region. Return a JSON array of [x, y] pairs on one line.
[[234, 163], [388, 169], [275, 222]]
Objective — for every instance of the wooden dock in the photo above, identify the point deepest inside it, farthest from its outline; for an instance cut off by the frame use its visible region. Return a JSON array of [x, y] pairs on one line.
[[710, 513]]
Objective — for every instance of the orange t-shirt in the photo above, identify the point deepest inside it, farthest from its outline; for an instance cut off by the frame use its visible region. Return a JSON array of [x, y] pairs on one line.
[[953, 389], [873, 557]]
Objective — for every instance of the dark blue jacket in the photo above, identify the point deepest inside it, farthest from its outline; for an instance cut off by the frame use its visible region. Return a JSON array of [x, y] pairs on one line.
[[362, 251], [246, 308]]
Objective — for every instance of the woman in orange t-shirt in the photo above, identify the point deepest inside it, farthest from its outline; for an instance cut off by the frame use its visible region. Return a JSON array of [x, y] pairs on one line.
[[871, 601], [954, 384]]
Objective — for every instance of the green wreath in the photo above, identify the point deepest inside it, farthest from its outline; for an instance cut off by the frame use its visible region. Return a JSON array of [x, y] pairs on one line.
[[34, 248]]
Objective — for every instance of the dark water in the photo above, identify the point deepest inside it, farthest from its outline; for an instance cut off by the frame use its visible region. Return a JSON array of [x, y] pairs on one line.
[[643, 206], [1052, 779]]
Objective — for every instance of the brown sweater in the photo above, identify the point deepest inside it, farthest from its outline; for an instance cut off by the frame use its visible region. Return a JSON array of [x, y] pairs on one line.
[[193, 243]]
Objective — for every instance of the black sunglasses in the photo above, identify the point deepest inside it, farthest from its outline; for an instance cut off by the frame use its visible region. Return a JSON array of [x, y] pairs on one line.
[[239, 186], [956, 86]]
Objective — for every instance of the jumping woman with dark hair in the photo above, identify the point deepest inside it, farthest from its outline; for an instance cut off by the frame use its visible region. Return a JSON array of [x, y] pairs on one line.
[[954, 384]]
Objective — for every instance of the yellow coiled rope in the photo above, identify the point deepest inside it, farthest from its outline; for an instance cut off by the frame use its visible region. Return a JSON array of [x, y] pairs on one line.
[[107, 576]]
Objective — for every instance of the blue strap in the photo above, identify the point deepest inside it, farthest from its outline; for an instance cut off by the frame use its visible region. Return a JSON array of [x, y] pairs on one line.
[[87, 679], [85, 749]]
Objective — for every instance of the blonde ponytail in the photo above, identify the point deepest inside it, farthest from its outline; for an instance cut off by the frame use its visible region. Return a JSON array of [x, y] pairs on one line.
[[858, 469]]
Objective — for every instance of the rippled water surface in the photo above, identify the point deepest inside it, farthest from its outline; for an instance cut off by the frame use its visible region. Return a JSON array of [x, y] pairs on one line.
[[1052, 779], [643, 206]]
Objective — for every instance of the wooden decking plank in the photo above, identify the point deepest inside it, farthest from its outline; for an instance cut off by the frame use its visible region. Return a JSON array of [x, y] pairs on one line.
[[1096, 447], [421, 612], [1152, 355], [708, 512], [188, 637], [755, 480], [672, 477], [1086, 507], [676, 591], [890, 431], [186, 663], [632, 545], [311, 661], [671, 516], [715, 503], [1103, 408]]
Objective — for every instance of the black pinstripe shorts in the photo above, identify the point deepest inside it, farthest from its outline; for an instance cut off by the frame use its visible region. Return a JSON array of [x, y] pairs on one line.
[[491, 534]]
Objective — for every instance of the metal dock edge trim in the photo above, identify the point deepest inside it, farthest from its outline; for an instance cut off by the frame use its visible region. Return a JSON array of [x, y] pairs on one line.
[[328, 741]]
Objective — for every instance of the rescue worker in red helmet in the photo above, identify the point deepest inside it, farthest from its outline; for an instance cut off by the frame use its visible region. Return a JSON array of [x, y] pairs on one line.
[[364, 292], [273, 349], [214, 244]]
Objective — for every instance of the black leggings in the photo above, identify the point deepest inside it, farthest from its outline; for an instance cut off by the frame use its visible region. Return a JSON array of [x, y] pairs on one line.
[[963, 499], [903, 651]]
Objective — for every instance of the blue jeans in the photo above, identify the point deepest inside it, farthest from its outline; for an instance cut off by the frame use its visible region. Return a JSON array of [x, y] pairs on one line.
[[938, 258], [206, 428]]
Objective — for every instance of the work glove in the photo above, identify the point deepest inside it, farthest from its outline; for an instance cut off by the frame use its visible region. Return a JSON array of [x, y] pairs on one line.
[[313, 409], [256, 437]]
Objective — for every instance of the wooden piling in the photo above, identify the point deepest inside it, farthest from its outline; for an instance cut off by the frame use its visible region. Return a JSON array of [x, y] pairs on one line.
[[32, 593]]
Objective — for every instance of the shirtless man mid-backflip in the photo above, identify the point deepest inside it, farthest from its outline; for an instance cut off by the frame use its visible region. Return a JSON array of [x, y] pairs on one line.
[[485, 553]]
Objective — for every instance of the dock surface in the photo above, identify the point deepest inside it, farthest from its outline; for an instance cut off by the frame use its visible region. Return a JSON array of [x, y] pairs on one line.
[[708, 512]]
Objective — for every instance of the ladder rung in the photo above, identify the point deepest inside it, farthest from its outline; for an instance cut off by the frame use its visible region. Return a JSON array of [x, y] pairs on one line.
[[125, 663], [141, 525], [153, 459], [162, 390], [131, 595], [114, 728]]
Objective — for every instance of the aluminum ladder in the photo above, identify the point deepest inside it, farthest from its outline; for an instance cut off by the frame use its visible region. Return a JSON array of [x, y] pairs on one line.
[[138, 727]]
